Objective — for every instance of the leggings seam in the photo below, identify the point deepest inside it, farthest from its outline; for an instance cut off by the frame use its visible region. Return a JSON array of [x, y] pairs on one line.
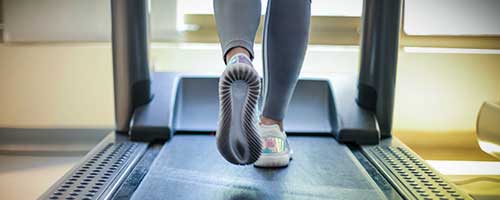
[[266, 62]]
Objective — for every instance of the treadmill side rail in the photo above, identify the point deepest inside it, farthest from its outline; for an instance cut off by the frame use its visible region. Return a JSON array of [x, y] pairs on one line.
[[409, 173], [132, 84], [351, 122], [153, 121], [100, 172], [378, 61]]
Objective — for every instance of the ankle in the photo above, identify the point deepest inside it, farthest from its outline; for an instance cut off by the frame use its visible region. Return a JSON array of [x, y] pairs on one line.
[[234, 51], [269, 121]]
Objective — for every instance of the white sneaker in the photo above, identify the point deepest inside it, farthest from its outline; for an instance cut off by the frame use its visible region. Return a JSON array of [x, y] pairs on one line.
[[237, 136], [276, 151]]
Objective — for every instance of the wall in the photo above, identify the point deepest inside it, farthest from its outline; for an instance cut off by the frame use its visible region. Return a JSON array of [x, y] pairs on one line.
[[443, 92], [56, 86], [77, 20], [70, 85]]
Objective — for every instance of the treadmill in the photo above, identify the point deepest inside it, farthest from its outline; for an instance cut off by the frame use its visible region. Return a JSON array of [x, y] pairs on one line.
[[339, 127]]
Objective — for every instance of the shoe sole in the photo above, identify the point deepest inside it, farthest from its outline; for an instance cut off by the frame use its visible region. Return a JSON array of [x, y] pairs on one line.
[[273, 161], [237, 138]]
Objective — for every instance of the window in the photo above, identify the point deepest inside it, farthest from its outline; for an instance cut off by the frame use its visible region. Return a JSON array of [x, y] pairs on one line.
[[452, 17]]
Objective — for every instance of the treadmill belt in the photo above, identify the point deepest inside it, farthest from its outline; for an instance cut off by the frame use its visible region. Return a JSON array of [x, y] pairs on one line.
[[190, 167]]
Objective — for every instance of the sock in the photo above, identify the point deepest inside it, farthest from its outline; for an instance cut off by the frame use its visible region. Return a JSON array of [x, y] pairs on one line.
[[240, 58]]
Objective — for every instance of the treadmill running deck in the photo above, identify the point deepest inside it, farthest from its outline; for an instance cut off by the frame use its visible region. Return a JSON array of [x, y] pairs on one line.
[[189, 167]]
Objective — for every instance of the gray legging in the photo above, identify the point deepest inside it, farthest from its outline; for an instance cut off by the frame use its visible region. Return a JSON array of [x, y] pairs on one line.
[[286, 33]]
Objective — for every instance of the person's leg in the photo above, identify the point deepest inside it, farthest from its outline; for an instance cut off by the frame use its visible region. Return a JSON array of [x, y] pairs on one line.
[[239, 85], [237, 22], [286, 34]]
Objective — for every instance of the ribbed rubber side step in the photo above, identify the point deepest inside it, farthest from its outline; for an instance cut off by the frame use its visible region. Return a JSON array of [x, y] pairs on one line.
[[95, 174], [411, 175]]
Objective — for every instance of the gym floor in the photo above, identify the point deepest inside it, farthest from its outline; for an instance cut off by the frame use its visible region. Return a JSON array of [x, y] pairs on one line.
[[31, 161], [36, 172]]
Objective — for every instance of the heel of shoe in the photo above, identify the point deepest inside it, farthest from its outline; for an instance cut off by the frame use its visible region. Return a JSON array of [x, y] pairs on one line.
[[237, 138], [273, 160]]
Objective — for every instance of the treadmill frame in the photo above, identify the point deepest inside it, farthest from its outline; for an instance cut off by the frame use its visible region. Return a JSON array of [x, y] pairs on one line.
[[139, 101], [142, 115]]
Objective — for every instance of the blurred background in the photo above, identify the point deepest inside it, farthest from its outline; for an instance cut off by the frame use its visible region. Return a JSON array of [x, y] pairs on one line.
[[56, 71]]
